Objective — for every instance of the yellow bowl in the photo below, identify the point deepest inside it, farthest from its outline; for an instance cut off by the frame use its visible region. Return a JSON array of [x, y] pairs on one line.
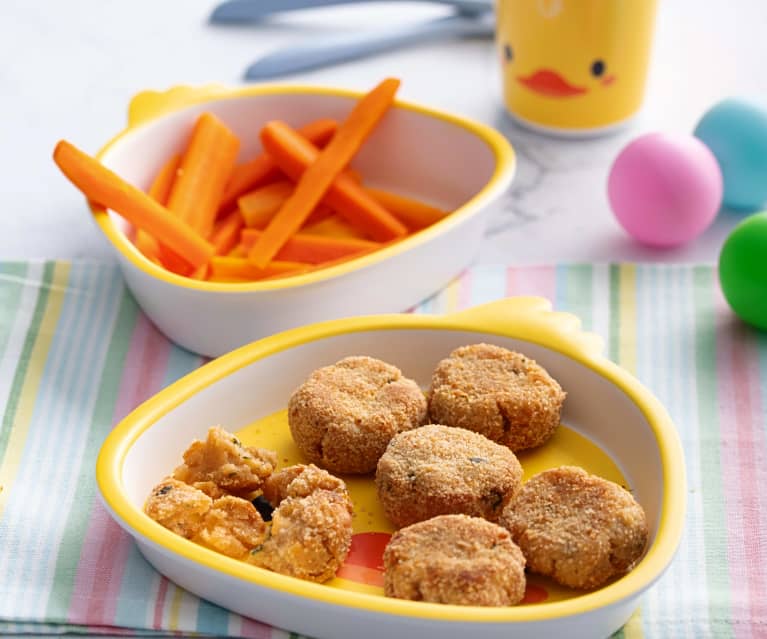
[[614, 426], [444, 159]]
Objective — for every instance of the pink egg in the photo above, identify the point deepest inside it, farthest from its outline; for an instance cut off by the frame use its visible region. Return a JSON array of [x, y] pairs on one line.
[[665, 189]]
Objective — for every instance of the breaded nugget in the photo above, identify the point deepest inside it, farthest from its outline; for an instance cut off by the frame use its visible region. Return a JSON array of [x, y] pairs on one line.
[[577, 528], [503, 395], [232, 527], [438, 470], [310, 537], [222, 461], [454, 559], [301, 480], [344, 415], [178, 507]]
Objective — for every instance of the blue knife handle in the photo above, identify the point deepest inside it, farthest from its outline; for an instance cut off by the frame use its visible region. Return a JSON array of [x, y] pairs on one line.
[[301, 57], [238, 11]]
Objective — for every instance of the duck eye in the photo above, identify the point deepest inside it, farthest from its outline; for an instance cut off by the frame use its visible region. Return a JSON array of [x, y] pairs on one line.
[[508, 53], [597, 68]]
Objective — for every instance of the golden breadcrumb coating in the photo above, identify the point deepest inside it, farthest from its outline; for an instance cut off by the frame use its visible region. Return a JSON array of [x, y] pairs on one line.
[[301, 480], [344, 415], [223, 461], [232, 527], [310, 537], [455, 559], [439, 470], [178, 507], [579, 529], [494, 391]]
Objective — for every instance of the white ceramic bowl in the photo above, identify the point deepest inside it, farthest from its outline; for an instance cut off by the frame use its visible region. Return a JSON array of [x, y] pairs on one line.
[[446, 160], [604, 404]]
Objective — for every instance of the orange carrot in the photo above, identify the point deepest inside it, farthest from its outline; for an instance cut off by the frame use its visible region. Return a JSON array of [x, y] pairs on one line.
[[105, 187], [163, 181], [259, 206], [295, 155], [262, 169], [416, 215], [239, 267], [312, 249], [331, 226], [318, 177], [238, 251], [205, 169], [159, 190], [225, 236], [226, 233]]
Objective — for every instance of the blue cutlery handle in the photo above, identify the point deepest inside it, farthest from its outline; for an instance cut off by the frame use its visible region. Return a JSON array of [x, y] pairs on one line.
[[237, 11], [328, 51]]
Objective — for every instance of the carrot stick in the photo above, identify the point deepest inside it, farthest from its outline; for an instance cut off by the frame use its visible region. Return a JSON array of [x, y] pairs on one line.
[[238, 251], [225, 236], [159, 190], [205, 169], [318, 177], [312, 249], [259, 206], [331, 226], [295, 155], [105, 187], [322, 212], [226, 233], [417, 215], [262, 169], [239, 267]]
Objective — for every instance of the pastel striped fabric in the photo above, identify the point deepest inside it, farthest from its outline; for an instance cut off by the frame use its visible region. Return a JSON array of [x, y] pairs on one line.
[[76, 355]]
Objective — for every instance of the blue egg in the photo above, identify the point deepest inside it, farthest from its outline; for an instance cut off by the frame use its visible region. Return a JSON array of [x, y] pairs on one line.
[[736, 133]]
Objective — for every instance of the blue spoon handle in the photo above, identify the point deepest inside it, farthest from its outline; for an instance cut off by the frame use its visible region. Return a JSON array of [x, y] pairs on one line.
[[237, 11], [302, 57]]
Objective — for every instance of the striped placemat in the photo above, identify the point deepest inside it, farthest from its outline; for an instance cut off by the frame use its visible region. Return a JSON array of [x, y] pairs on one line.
[[76, 355]]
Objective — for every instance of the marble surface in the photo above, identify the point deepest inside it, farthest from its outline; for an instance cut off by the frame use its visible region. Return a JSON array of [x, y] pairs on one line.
[[69, 69]]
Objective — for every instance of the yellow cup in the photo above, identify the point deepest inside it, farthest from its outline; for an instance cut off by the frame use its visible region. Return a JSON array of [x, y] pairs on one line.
[[574, 66]]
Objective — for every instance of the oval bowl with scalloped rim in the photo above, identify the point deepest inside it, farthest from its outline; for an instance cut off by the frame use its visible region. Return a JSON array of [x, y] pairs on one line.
[[449, 161], [611, 425]]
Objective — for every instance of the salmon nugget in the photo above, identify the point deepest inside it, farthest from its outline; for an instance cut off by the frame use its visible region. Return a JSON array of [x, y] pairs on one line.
[[222, 461], [177, 506], [454, 559], [301, 480], [233, 527], [344, 415], [438, 470], [310, 537], [494, 391], [579, 529]]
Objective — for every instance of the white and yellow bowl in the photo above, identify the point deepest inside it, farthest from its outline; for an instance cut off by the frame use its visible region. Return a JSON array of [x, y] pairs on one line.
[[612, 426], [443, 159]]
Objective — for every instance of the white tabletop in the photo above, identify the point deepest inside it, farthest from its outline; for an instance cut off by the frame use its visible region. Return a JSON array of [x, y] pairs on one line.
[[69, 69]]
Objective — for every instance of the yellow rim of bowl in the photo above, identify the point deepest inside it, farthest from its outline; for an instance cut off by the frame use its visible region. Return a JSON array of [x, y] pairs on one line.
[[530, 321], [505, 166]]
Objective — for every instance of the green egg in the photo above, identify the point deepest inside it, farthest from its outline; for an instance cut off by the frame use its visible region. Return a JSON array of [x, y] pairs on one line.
[[743, 270]]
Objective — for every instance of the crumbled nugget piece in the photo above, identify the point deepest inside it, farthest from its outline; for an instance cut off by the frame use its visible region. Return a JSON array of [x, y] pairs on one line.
[[577, 528], [454, 559], [210, 488], [439, 470], [300, 480], [178, 506], [224, 461], [344, 415], [233, 527], [497, 392], [310, 537]]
